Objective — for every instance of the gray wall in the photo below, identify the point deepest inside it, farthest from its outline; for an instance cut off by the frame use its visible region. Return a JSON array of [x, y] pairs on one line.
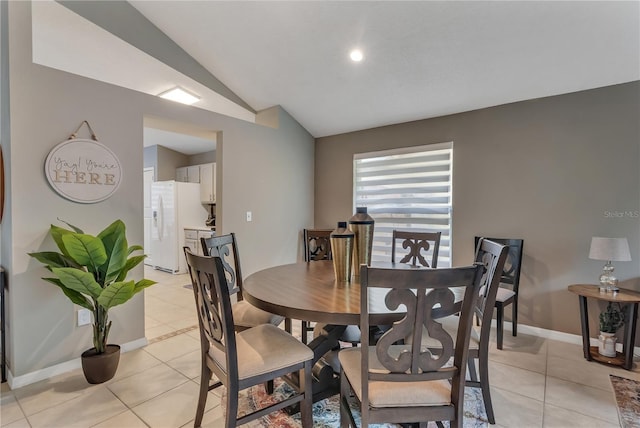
[[202, 158], [46, 106], [545, 170], [167, 162]]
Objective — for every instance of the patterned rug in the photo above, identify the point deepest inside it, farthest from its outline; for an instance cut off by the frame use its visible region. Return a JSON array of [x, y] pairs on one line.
[[326, 413], [627, 392]]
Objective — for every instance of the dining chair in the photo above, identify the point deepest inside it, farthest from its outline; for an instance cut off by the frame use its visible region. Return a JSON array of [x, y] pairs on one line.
[[492, 256], [510, 283], [243, 359], [410, 383], [245, 315], [419, 244], [317, 244]]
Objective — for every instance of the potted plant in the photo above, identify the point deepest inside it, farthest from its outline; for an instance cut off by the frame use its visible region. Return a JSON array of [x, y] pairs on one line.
[[92, 271], [611, 319]]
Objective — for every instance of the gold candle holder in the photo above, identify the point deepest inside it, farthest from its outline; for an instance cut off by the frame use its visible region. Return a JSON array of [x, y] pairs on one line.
[[361, 224], [342, 249]]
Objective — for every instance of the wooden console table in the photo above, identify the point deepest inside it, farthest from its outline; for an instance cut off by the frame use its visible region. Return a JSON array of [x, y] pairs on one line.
[[628, 298]]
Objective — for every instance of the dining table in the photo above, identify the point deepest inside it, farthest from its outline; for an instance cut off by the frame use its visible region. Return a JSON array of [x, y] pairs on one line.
[[309, 291]]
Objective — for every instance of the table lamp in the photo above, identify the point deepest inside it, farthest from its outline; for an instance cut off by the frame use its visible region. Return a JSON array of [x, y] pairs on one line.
[[609, 249]]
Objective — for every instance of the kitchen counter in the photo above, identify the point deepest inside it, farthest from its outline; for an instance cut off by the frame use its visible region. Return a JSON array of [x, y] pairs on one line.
[[202, 228]]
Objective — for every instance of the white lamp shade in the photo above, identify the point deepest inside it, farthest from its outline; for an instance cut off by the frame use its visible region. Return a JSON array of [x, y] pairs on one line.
[[610, 249]]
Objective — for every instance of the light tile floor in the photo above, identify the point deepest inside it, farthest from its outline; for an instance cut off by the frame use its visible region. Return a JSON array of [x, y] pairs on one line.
[[535, 382]]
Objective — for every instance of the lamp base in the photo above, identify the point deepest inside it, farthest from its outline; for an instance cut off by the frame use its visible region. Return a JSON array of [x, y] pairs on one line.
[[608, 282]]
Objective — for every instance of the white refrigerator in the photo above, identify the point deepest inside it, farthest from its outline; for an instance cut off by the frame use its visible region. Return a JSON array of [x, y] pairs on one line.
[[174, 205]]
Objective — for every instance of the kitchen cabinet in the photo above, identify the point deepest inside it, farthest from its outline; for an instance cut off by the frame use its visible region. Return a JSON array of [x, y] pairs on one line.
[[192, 237], [208, 183], [188, 174]]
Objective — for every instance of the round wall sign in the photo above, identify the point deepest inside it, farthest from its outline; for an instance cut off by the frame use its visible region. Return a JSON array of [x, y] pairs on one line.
[[84, 171]]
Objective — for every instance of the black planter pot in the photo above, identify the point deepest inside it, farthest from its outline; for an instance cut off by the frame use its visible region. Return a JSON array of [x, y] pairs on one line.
[[99, 368]]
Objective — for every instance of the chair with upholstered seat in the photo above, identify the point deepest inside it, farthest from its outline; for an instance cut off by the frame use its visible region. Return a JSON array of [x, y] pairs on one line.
[[510, 283], [492, 256], [411, 383], [419, 244], [243, 359], [245, 315]]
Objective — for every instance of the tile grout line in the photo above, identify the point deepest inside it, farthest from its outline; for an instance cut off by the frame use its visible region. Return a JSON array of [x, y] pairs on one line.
[[172, 334]]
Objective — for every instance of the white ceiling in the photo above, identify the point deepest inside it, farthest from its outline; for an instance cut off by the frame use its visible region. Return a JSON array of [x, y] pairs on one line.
[[422, 58], [183, 143]]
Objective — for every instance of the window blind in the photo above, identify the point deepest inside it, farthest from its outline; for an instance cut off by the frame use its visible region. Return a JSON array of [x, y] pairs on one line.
[[406, 189]]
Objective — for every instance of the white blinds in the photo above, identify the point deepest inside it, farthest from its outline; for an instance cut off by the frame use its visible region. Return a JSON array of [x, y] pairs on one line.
[[407, 189]]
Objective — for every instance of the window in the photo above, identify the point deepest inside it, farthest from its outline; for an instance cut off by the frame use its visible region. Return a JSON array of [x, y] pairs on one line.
[[408, 189]]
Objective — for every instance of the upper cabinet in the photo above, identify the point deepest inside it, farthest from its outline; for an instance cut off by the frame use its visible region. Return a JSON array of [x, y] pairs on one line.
[[188, 174], [208, 183]]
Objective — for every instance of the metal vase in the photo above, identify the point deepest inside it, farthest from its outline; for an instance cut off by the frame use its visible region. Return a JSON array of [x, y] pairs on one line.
[[342, 249], [361, 224]]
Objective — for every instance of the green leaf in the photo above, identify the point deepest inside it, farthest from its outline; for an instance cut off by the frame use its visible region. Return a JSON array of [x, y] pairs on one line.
[[117, 260], [111, 234], [115, 244], [74, 296], [130, 264], [53, 259], [57, 233], [86, 250], [135, 248], [75, 229], [80, 281], [142, 284], [116, 294]]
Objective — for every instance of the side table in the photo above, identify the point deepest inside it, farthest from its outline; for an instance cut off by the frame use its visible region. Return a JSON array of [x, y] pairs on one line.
[[628, 298]]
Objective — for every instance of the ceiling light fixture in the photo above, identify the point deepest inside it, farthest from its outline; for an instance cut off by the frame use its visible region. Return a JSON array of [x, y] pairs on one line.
[[179, 95], [356, 55]]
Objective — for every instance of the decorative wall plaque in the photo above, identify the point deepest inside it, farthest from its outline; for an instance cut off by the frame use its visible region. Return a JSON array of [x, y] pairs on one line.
[[84, 171]]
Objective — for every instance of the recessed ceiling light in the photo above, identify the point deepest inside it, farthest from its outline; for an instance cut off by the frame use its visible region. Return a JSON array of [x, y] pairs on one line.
[[356, 55], [179, 95]]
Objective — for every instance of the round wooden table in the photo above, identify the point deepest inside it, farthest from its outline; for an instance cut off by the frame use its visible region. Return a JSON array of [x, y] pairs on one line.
[[308, 291]]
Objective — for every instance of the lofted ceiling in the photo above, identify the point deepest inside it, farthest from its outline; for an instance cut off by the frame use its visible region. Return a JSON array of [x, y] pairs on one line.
[[422, 58]]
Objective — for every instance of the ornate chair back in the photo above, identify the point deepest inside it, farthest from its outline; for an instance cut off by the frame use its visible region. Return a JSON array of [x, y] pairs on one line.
[[398, 382], [317, 245], [419, 244]]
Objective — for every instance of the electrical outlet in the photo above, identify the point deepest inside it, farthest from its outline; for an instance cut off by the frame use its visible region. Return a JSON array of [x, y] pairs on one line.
[[84, 317], [249, 216]]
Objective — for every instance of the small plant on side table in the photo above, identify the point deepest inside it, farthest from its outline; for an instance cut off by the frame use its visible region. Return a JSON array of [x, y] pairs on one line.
[[611, 319]]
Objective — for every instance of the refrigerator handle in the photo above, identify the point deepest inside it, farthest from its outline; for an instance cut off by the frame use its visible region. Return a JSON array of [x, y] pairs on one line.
[[159, 215]]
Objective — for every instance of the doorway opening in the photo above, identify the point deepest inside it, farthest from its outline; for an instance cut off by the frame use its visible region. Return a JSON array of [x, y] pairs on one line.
[[179, 189]]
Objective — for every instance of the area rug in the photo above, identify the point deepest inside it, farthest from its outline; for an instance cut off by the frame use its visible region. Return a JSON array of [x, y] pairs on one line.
[[627, 393], [326, 413]]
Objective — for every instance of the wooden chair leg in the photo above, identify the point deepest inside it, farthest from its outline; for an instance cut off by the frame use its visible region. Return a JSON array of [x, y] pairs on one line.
[[514, 318], [484, 385], [306, 405], [303, 329], [287, 325], [344, 394], [268, 386], [231, 420], [499, 325], [205, 377]]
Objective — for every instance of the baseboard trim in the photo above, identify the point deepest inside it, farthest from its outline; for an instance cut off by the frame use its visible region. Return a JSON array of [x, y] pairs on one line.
[[560, 336], [58, 369]]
